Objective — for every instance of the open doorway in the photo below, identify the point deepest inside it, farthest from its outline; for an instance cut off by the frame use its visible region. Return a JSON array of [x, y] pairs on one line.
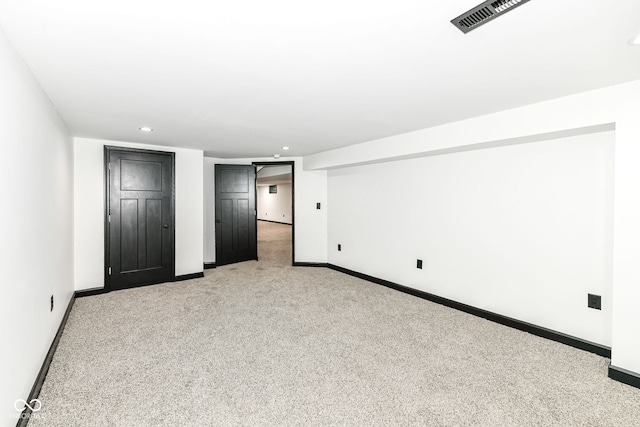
[[275, 212]]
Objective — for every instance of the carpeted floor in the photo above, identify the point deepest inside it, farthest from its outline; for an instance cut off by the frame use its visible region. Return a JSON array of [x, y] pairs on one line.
[[264, 343]]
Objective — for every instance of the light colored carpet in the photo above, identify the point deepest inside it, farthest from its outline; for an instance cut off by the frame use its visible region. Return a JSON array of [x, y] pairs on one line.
[[262, 343], [274, 244]]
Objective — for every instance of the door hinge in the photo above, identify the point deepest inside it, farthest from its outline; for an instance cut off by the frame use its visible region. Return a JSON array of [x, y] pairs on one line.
[[109, 165], [255, 213], [109, 271], [109, 218]]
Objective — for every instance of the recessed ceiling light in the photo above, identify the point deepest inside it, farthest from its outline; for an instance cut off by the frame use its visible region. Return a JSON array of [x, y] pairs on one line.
[[276, 156], [635, 41], [285, 148], [146, 129]]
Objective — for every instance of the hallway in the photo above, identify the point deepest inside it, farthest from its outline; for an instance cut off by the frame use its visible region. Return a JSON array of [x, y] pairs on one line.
[[274, 244]]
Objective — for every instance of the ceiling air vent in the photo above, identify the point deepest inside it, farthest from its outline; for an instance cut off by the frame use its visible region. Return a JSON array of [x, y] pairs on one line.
[[484, 13]]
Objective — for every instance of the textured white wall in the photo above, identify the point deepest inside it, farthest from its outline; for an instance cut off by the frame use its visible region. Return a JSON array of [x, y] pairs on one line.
[[608, 108], [310, 223], [274, 206], [626, 268], [36, 248], [524, 231], [89, 210]]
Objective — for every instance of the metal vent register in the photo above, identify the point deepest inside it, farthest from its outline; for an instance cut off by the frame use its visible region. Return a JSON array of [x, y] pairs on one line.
[[484, 13]]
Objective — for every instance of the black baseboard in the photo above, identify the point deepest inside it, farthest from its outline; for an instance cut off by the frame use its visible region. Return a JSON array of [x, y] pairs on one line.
[[310, 264], [188, 276], [90, 292], [624, 376], [208, 265], [275, 222], [498, 318], [98, 291], [44, 369]]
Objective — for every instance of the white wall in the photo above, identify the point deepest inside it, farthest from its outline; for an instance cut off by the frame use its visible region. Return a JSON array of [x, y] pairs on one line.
[[524, 231], [36, 248], [274, 206], [310, 223], [578, 114], [89, 210]]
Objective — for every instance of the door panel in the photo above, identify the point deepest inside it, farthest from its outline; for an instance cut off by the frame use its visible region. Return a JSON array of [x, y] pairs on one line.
[[235, 201], [128, 235], [235, 181], [243, 225], [140, 176], [226, 217], [153, 221], [140, 227]]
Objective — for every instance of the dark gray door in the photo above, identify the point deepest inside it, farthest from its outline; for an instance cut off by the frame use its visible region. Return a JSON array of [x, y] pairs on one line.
[[140, 218], [236, 237]]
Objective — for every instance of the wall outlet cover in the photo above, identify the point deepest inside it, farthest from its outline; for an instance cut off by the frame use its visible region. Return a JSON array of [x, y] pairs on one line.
[[594, 301]]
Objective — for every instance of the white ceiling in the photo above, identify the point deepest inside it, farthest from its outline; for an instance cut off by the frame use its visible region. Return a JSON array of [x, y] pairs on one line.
[[274, 175], [242, 78]]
